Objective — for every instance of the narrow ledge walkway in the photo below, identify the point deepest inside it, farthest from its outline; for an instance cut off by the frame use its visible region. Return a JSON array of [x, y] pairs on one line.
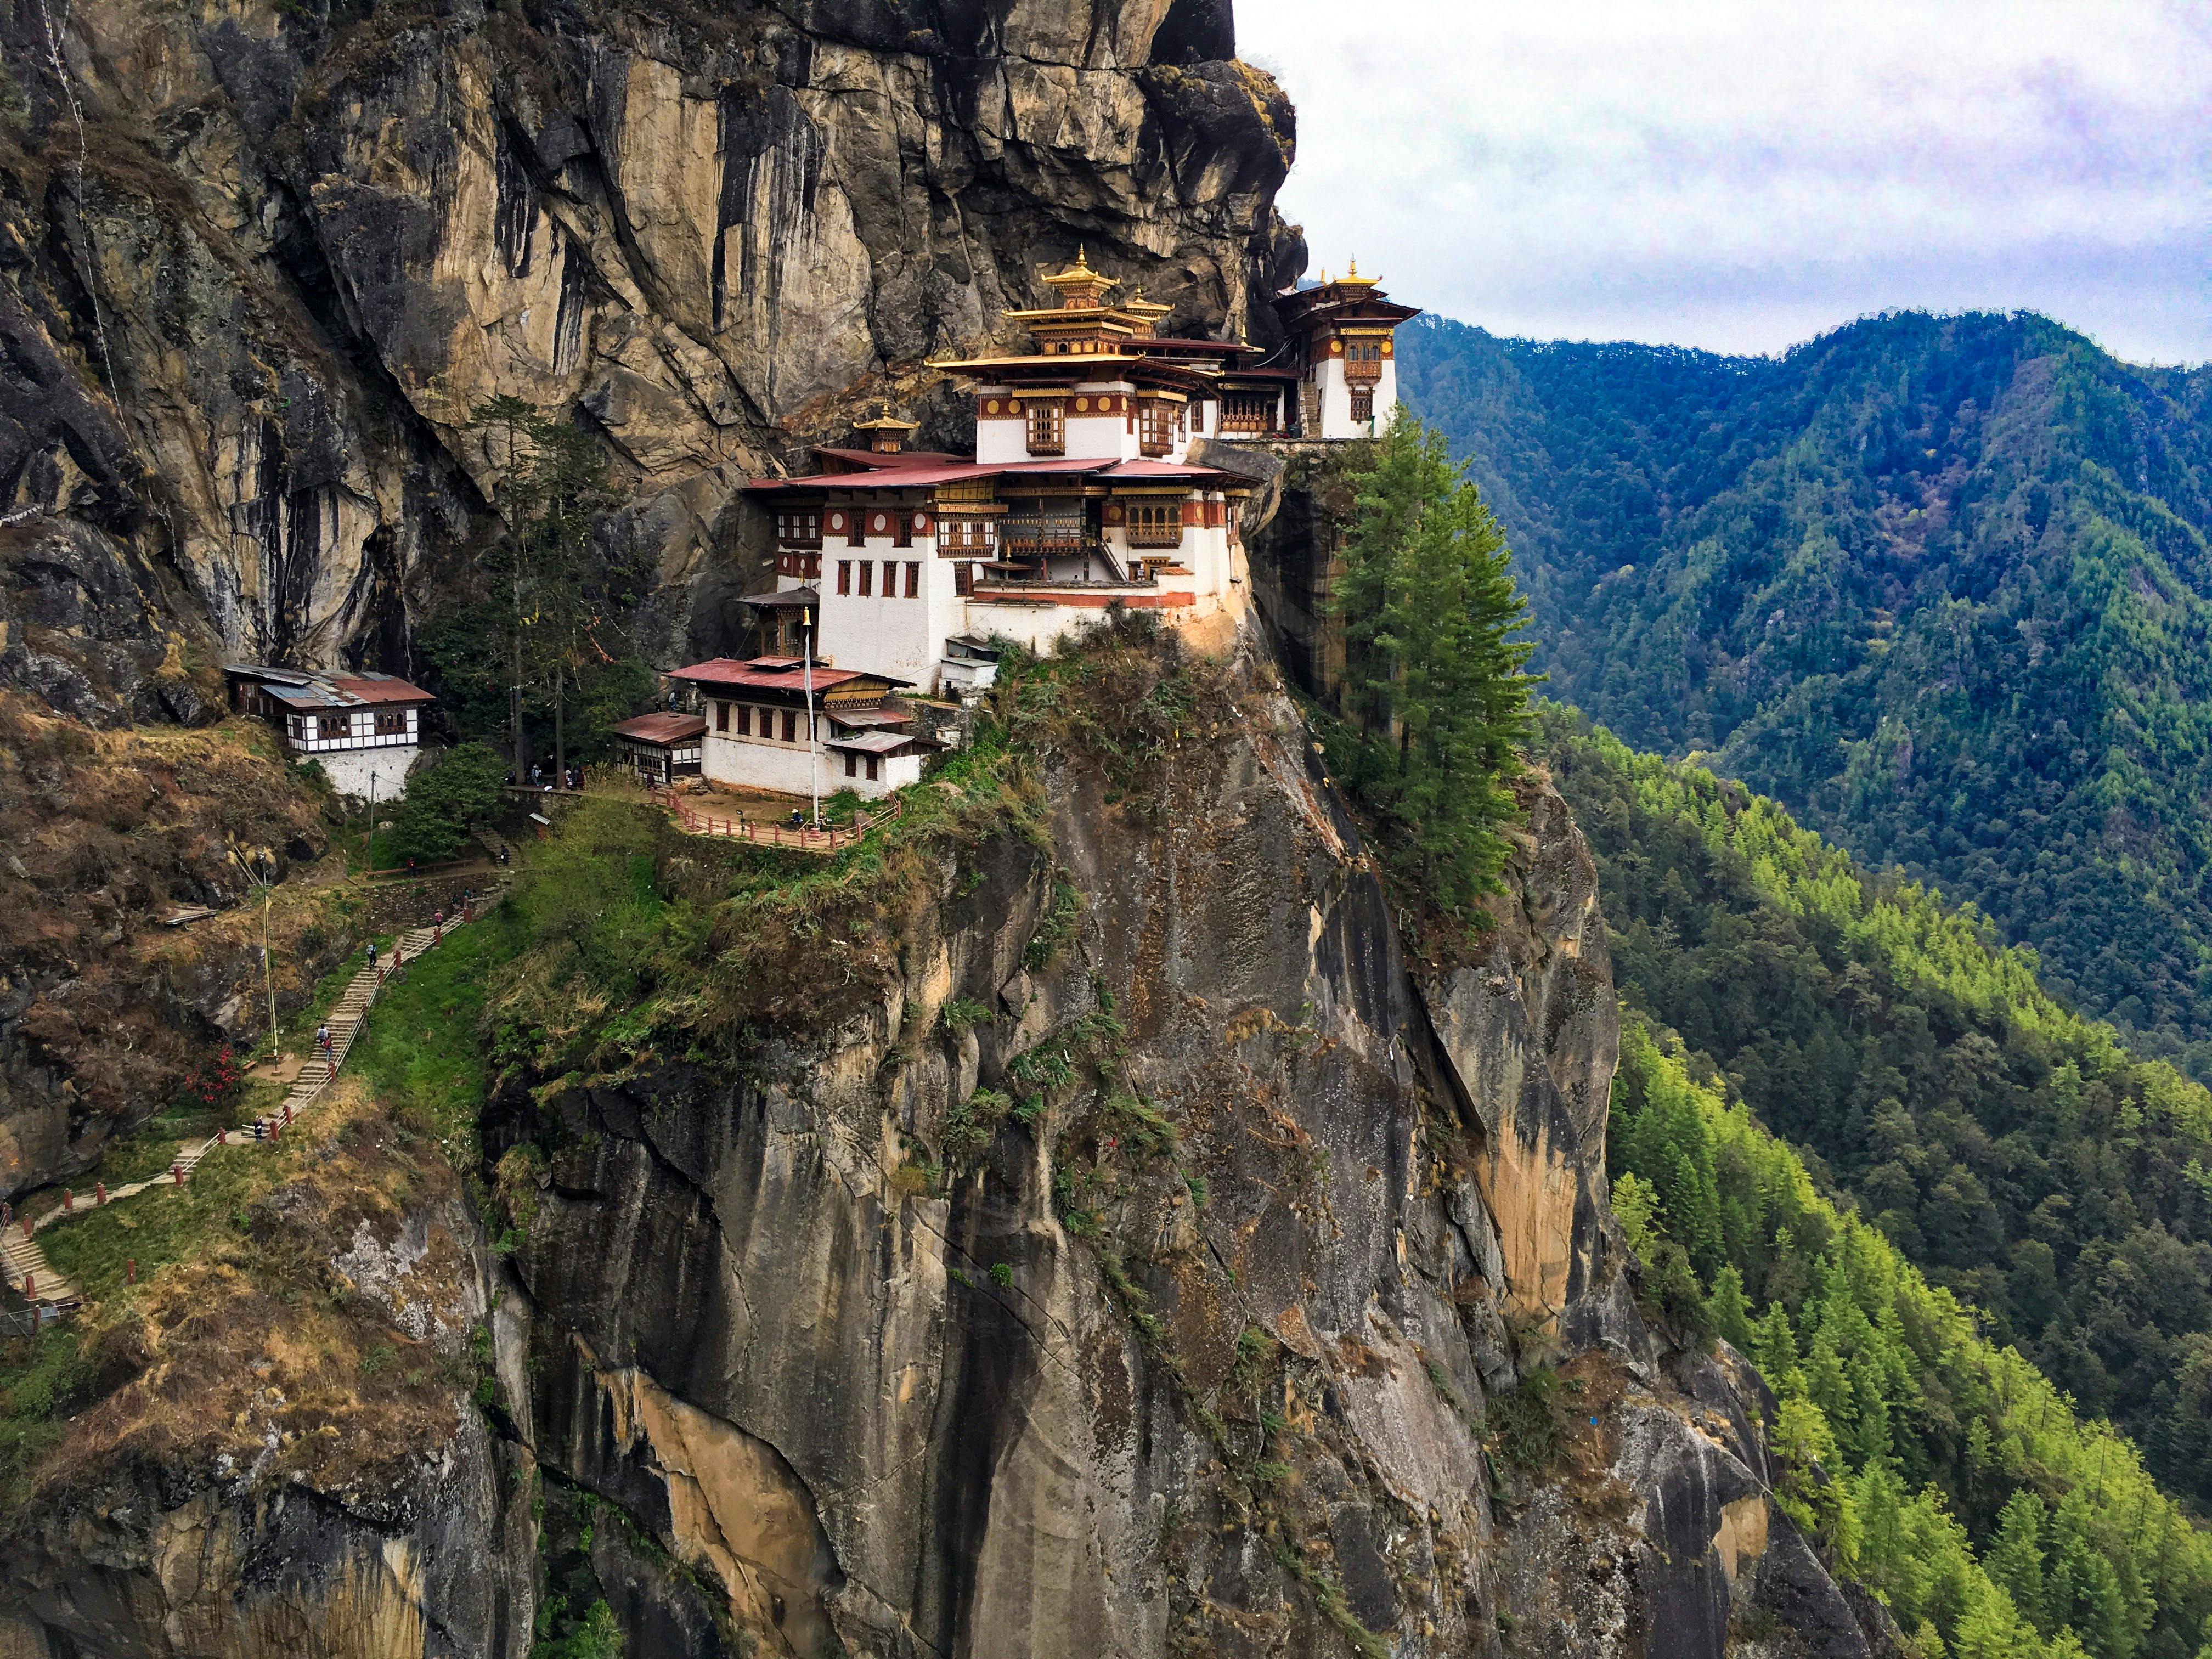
[[25, 1265]]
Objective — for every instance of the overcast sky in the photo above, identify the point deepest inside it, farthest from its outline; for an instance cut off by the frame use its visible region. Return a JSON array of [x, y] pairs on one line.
[[1741, 176]]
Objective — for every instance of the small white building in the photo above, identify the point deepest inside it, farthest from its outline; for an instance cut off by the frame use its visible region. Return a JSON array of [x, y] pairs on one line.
[[364, 729], [791, 726]]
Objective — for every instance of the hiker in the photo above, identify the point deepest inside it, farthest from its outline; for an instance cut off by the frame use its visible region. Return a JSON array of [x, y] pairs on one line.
[[372, 956], [322, 1040], [797, 818]]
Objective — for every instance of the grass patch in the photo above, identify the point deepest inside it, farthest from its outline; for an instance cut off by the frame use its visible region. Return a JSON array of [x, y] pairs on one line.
[[420, 1050], [166, 1226], [40, 1381]]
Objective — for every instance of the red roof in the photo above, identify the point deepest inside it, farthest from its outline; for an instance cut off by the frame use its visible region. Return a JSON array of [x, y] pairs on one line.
[[772, 674], [918, 477], [663, 728], [887, 457], [379, 688]]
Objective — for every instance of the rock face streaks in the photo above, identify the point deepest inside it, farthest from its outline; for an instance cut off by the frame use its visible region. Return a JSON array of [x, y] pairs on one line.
[[247, 326], [1191, 1356], [991, 1417]]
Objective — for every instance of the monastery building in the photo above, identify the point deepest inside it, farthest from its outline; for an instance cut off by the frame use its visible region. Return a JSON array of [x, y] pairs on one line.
[[896, 568]]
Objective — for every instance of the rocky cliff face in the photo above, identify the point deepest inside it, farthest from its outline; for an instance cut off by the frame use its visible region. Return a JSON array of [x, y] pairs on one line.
[[261, 264], [258, 267], [1131, 1254]]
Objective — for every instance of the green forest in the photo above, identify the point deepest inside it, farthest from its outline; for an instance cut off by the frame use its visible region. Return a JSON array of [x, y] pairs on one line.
[[1937, 1468], [2019, 1249], [1938, 583], [2009, 1148]]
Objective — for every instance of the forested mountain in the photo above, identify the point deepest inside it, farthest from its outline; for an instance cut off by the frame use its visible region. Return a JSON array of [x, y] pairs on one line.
[[2009, 1148], [1940, 584]]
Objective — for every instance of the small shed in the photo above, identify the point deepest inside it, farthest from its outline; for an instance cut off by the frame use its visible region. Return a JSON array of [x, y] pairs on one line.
[[969, 667], [661, 747]]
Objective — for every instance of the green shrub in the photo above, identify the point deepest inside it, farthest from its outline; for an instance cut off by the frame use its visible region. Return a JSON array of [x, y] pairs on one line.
[[443, 802]]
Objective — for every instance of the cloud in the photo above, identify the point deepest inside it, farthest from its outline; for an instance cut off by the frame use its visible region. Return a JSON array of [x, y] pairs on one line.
[[1738, 176]]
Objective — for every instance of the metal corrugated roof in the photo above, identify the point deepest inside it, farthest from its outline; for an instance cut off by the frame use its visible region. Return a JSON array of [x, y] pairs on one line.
[[664, 729]]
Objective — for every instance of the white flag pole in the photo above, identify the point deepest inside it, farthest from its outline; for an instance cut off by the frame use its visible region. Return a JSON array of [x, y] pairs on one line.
[[813, 741]]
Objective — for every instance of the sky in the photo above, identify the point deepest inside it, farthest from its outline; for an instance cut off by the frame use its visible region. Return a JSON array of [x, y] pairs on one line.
[[1743, 176]]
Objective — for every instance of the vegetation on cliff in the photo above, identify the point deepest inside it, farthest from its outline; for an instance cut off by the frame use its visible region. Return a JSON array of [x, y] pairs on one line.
[[2010, 1148], [1436, 704], [1943, 585], [1940, 1468], [106, 833]]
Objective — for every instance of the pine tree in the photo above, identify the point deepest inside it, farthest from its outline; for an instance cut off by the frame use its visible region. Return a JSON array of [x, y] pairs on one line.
[[1774, 1350], [1731, 1312], [565, 586], [1437, 703], [2015, 1558]]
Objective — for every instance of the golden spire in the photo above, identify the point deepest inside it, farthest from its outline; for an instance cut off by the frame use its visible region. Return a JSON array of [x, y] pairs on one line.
[[1079, 287]]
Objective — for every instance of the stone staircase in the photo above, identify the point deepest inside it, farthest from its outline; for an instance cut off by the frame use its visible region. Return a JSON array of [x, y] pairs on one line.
[[26, 1264]]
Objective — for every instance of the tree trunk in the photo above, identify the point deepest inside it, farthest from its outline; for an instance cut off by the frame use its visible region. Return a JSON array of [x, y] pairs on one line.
[[521, 748], [560, 739]]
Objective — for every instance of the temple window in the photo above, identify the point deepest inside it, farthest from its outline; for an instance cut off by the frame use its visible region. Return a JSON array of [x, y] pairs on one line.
[[1155, 524], [1047, 428], [1154, 430]]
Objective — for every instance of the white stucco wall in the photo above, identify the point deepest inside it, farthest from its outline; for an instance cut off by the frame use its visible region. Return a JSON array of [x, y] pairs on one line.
[[882, 635], [752, 764], [349, 769], [1336, 420]]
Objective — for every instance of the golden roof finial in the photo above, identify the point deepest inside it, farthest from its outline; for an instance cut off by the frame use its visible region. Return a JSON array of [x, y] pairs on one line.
[[1354, 271]]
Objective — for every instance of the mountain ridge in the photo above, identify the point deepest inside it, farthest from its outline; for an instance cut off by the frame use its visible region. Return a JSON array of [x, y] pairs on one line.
[[1940, 584]]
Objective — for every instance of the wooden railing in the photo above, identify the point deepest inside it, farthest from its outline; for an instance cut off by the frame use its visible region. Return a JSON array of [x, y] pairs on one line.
[[701, 820]]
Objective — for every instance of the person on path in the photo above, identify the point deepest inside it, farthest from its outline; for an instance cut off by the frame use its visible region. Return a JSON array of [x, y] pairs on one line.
[[322, 1040], [372, 956]]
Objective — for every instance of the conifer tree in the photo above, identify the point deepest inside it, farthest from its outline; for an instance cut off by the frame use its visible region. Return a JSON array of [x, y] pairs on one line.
[[563, 586], [1438, 702], [1731, 1313], [2016, 1557]]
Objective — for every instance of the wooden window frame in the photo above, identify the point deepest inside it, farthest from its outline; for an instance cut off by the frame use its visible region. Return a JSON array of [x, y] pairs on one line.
[[791, 725], [873, 763], [1156, 525], [333, 728], [963, 577], [1045, 426], [867, 587], [965, 537], [844, 576], [721, 717], [913, 578], [391, 723], [744, 719]]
